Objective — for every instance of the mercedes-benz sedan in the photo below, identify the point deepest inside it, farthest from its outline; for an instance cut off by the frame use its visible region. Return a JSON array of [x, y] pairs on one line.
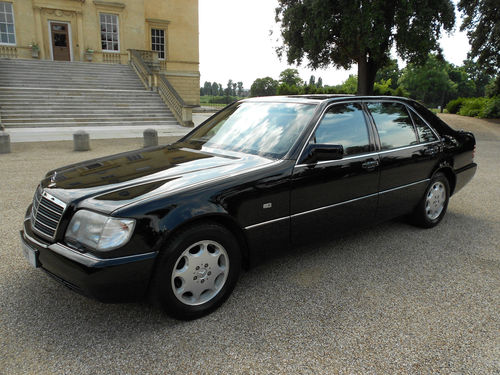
[[177, 223]]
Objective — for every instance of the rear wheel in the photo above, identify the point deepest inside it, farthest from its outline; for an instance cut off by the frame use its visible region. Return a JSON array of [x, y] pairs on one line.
[[432, 208], [197, 271]]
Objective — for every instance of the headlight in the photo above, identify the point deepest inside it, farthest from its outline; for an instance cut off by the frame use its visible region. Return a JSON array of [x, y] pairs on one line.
[[99, 232]]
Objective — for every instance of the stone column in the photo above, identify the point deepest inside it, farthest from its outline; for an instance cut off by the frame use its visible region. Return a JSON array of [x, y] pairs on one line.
[[4, 142], [81, 141], [150, 138]]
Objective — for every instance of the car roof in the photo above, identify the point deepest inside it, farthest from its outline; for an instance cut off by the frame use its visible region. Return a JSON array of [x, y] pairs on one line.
[[319, 98]]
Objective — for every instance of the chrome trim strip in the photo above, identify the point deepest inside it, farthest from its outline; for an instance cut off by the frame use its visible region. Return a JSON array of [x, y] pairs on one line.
[[408, 147], [405, 186], [54, 199], [359, 156], [267, 222], [336, 204]]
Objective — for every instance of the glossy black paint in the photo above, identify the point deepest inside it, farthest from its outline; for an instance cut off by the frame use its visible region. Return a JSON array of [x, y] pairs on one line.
[[268, 204]]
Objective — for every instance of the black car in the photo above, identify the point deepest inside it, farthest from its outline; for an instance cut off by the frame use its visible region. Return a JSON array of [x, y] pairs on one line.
[[178, 222]]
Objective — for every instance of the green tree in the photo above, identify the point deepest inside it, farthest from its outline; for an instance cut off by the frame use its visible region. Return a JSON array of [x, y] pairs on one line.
[[428, 83], [264, 87], [240, 88], [207, 88], [390, 71], [215, 89], [477, 75], [284, 89], [350, 85], [463, 86], [290, 77], [229, 89], [482, 22], [347, 32]]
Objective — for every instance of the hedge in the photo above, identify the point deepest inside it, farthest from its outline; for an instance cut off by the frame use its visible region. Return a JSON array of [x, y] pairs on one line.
[[475, 107]]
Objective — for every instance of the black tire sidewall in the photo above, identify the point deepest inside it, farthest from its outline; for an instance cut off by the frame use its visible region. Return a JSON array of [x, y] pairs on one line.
[[168, 259]]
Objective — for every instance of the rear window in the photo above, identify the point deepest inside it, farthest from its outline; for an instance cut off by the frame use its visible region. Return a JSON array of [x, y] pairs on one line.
[[394, 125], [425, 134]]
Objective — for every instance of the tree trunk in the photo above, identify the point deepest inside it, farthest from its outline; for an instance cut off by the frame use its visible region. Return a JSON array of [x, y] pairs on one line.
[[367, 69]]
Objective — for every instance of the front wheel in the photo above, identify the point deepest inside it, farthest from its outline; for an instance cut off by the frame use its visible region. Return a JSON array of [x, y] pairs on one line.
[[432, 208], [197, 271]]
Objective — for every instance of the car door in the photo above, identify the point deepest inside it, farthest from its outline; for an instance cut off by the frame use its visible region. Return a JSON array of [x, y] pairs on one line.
[[407, 157], [332, 196]]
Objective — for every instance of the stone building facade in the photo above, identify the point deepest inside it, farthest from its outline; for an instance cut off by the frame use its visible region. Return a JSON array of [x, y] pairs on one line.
[[104, 31]]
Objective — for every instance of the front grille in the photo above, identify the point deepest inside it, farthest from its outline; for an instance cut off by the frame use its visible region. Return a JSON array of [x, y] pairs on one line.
[[46, 214]]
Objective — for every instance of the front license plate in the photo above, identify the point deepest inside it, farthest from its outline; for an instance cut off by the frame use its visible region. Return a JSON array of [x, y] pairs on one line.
[[30, 254]]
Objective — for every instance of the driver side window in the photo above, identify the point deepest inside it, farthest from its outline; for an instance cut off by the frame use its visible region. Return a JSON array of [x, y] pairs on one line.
[[344, 124]]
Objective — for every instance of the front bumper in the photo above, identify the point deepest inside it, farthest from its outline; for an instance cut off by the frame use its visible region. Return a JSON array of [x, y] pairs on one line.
[[107, 280]]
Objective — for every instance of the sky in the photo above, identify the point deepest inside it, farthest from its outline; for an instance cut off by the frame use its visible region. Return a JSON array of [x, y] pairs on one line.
[[238, 39]]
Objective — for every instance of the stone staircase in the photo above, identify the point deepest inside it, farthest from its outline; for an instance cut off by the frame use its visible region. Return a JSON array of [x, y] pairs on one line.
[[40, 93]]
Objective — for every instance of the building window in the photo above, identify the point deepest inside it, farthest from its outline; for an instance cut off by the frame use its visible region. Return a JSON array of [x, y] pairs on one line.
[[109, 32], [7, 31], [158, 42]]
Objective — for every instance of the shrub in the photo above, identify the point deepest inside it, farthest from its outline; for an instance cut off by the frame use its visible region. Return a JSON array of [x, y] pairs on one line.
[[472, 106], [454, 106], [491, 108]]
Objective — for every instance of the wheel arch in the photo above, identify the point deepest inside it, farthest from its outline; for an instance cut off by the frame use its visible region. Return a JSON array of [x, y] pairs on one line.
[[221, 219], [447, 170]]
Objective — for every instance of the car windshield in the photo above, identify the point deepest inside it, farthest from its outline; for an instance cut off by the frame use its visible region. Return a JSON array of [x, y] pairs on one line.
[[265, 129]]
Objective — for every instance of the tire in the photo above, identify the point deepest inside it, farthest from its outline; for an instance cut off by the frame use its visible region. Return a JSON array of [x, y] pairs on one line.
[[196, 271], [432, 207]]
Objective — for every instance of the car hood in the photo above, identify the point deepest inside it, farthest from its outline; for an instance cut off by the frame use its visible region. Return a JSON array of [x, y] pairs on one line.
[[111, 182]]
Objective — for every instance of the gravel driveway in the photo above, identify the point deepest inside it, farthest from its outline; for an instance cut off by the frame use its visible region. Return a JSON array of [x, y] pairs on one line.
[[388, 299]]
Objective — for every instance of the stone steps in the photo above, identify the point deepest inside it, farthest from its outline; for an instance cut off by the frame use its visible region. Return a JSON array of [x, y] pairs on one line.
[[63, 94], [95, 123], [84, 117]]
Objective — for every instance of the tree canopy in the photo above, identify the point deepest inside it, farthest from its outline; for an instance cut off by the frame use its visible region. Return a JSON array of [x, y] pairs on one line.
[[264, 87], [346, 32], [482, 22], [290, 77]]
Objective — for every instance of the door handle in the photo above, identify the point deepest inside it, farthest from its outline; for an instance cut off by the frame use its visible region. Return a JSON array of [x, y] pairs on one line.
[[431, 151], [370, 164]]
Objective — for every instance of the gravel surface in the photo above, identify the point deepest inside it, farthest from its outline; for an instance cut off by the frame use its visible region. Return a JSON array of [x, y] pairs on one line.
[[388, 299]]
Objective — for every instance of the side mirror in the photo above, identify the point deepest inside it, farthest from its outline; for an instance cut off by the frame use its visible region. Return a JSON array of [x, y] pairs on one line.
[[323, 152]]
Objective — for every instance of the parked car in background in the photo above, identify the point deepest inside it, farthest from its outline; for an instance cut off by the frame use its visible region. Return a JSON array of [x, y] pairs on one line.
[[177, 223]]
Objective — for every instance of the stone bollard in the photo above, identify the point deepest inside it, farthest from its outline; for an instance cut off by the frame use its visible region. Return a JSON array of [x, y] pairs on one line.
[[150, 138], [4, 142], [81, 141]]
